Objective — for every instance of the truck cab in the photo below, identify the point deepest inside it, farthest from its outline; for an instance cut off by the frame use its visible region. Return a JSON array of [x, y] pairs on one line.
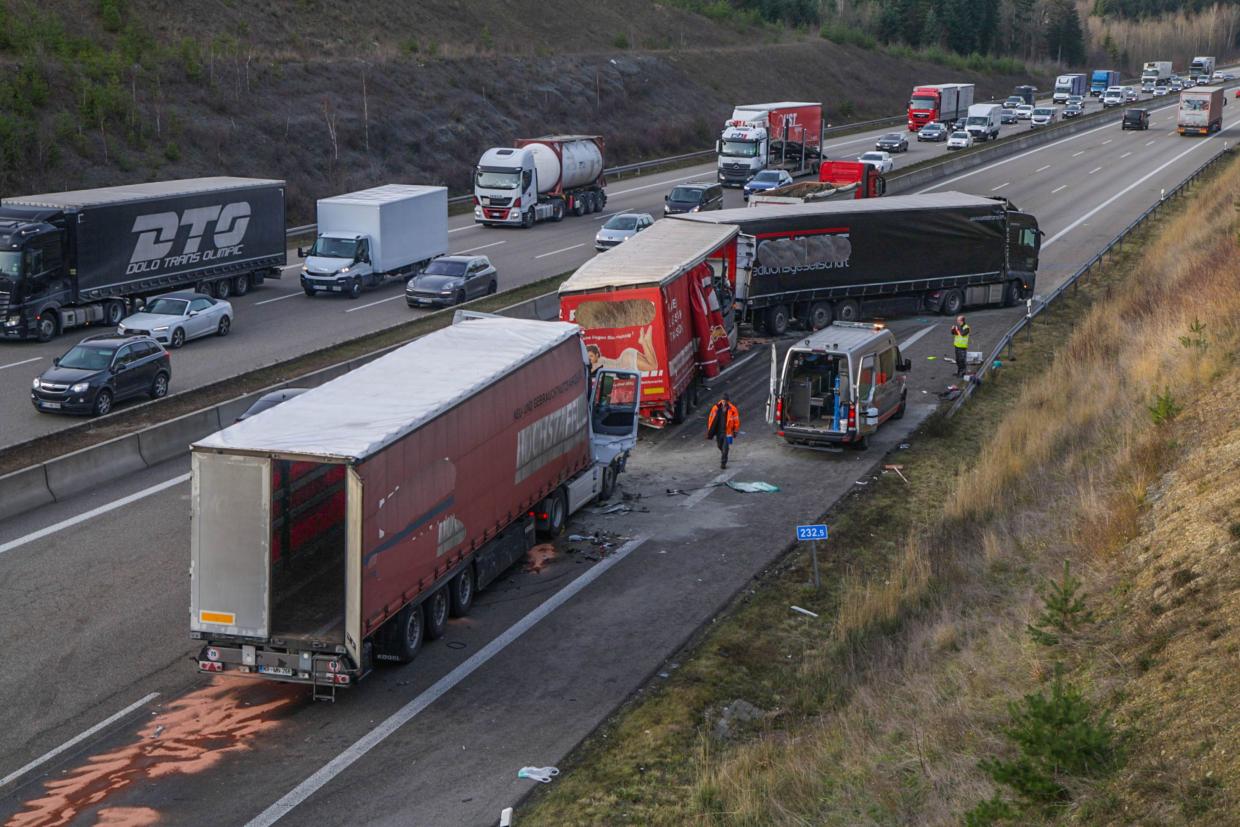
[[337, 263], [506, 187], [743, 150], [835, 387], [32, 273]]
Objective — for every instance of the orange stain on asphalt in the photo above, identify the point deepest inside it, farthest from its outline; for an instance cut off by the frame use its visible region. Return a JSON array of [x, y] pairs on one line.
[[191, 735], [537, 558]]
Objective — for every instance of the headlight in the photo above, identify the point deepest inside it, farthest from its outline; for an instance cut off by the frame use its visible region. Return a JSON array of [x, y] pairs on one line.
[[80, 387], [343, 270], [304, 269], [696, 209], [37, 383], [160, 329]]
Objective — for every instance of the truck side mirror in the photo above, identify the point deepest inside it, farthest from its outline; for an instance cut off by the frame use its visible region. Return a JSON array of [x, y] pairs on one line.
[[718, 147], [301, 252]]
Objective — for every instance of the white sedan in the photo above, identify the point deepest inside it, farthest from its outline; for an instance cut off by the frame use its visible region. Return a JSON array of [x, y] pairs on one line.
[[881, 161], [174, 318], [960, 140]]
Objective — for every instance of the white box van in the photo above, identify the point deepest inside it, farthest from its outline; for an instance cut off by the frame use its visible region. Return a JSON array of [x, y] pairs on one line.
[[837, 386], [984, 121]]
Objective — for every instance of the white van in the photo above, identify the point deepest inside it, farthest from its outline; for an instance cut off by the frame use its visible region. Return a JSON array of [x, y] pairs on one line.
[[984, 121], [837, 386]]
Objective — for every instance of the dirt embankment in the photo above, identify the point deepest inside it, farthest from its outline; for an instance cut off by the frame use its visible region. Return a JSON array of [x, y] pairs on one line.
[[333, 99]]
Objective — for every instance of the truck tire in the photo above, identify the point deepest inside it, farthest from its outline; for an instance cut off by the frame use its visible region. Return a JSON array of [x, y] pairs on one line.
[[310, 291], [848, 310], [461, 592], [406, 634], [223, 289], [953, 301], [579, 209], [1011, 293], [680, 409], [113, 313], [557, 210], [777, 320], [241, 284], [527, 220], [819, 315], [355, 288], [602, 198], [48, 325], [556, 509], [608, 485], [436, 609]]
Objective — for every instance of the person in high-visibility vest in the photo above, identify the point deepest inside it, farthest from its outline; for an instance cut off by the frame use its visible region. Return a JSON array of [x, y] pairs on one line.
[[960, 341], [723, 424]]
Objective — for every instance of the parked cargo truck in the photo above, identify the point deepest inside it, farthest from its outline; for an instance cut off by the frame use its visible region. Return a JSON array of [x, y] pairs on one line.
[[661, 304], [1066, 86], [1201, 69], [815, 263], [786, 135], [1201, 110], [942, 102], [1101, 80], [540, 179], [367, 237], [343, 527], [69, 259], [837, 180], [1155, 72]]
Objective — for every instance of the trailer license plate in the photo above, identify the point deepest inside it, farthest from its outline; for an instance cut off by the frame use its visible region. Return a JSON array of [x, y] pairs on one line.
[[276, 670], [52, 406]]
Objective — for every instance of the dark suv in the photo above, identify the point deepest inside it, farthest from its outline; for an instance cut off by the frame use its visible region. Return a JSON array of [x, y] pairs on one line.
[[1136, 119], [100, 371], [693, 198]]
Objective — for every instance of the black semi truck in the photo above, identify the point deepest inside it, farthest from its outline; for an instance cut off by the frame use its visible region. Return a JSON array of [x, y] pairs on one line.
[[75, 258], [840, 260]]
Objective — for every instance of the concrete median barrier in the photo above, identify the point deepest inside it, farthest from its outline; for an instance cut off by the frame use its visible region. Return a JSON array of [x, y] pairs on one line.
[[93, 467], [24, 491], [171, 439]]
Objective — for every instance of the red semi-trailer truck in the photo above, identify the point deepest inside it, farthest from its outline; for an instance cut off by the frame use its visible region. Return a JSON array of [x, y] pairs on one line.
[[941, 102], [660, 303], [344, 526]]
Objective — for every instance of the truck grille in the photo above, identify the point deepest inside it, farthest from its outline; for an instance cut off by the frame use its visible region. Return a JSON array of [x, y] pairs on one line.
[[495, 201], [4, 302], [739, 167]]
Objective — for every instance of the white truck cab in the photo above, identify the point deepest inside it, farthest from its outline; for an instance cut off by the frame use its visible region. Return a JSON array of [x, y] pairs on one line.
[[743, 151], [539, 179]]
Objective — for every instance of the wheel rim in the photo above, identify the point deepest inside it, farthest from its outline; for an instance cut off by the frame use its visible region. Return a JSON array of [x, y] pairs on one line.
[[413, 630], [439, 609], [161, 385], [848, 312], [465, 589], [557, 514], [224, 325], [242, 286], [104, 403], [47, 327], [115, 313], [178, 338], [356, 289]]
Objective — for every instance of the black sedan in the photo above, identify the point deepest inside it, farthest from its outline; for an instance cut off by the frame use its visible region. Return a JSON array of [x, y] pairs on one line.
[[892, 142]]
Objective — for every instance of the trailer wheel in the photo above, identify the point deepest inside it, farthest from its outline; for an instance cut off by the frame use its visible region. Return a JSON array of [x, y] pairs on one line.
[[407, 633], [848, 310], [602, 199], [223, 289], [680, 410], [461, 592], [953, 301], [777, 320], [819, 315], [579, 209], [556, 509], [113, 313], [49, 325], [608, 486], [436, 608], [241, 285]]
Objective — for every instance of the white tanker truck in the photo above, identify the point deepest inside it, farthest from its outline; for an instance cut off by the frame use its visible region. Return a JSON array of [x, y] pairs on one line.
[[540, 179]]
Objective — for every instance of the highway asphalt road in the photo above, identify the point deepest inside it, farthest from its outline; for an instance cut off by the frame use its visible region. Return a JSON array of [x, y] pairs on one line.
[[107, 712], [278, 321]]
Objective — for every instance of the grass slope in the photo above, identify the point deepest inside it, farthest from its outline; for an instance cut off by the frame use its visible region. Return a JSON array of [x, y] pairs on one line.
[[882, 710]]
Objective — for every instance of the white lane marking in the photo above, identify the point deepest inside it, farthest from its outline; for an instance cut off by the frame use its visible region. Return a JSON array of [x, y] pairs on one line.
[[710, 488], [400, 295], [1172, 132], [437, 690], [612, 194], [92, 514], [1042, 169], [1076, 154], [1095, 169], [290, 267], [1125, 155], [278, 298], [466, 227], [1150, 141], [476, 249], [77, 739], [561, 250], [1107, 141], [25, 362], [1001, 186], [909, 341], [1078, 222], [1008, 160], [1060, 187], [605, 215]]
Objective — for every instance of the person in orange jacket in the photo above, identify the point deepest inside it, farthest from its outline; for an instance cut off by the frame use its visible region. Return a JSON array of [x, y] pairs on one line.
[[723, 424]]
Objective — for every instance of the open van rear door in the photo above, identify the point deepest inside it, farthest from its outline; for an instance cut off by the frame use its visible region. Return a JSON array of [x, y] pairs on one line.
[[773, 388], [615, 397]]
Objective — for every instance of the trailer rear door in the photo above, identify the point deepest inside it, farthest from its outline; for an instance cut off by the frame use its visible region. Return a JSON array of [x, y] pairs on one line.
[[229, 545]]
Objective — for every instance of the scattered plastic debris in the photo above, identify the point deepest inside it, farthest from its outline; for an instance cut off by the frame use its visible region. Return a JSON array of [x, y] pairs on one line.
[[805, 612], [931, 358], [753, 487], [904, 446], [541, 774], [537, 558], [896, 468]]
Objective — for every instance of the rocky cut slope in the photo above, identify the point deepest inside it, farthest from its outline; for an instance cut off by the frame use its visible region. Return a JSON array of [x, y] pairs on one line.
[[333, 98]]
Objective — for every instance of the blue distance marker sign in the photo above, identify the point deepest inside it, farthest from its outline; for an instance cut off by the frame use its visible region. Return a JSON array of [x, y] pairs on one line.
[[811, 532]]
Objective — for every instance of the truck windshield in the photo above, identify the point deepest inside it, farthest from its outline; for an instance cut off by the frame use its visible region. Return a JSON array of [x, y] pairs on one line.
[[739, 149], [498, 179], [86, 357], [11, 264], [1193, 105], [923, 103], [977, 120], [325, 247]]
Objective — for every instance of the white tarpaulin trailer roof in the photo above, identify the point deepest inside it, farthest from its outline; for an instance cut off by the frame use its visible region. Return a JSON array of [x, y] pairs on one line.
[[77, 199], [358, 414], [654, 256]]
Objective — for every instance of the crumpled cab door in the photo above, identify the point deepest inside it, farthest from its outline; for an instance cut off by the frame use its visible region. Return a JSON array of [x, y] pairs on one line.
[[773, 388], [615, 396]]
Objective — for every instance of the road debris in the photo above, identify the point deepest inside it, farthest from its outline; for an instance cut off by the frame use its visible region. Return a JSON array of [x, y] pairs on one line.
[[805, 612], [537, 558], [541, 774], [753, 487], [896, 468]]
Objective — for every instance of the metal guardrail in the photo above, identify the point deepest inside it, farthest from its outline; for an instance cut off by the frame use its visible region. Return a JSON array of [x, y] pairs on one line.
[[1007, 341]]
